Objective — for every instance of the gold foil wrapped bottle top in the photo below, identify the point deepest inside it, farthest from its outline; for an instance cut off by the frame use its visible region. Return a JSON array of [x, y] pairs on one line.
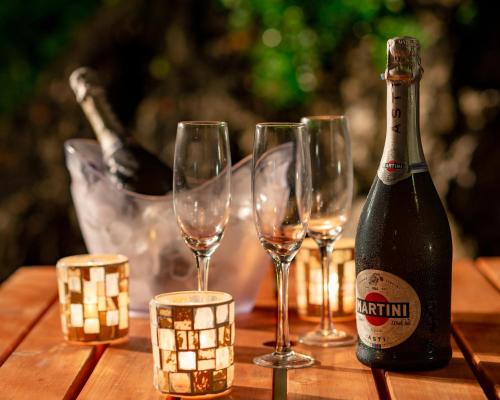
[[403, 60]]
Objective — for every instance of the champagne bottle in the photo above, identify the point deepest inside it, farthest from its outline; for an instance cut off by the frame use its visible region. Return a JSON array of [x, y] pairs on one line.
[[128, 164], [403, 241]]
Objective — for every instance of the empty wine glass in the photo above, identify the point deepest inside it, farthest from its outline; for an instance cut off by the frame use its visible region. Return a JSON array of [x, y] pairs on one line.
[[331, 171], [202, 174], [281, 197]]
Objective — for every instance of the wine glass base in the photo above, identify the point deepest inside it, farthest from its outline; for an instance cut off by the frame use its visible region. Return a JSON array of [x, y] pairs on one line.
[[327, 338], [289, 360]]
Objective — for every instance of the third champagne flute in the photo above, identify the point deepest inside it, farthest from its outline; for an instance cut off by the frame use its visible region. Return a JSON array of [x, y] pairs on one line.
[[281, 196], [331, 170], [202, 173]]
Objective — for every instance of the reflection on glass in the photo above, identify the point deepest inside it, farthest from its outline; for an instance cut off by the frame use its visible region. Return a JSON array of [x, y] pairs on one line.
[[202, 173]]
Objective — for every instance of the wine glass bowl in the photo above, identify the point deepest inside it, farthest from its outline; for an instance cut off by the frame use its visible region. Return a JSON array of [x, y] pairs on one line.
[[281, 197], [332, 176], [202, 173]]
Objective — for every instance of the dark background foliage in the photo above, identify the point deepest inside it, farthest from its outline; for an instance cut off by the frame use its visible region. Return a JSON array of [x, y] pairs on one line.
[[243, 61]]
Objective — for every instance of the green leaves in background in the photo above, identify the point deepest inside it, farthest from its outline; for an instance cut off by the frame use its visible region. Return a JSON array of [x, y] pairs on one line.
[[296, 42], [34, 34]]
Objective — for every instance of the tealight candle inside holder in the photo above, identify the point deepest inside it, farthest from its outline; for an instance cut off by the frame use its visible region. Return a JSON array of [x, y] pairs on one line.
[[310, 282], [93, 297], [192, 334]]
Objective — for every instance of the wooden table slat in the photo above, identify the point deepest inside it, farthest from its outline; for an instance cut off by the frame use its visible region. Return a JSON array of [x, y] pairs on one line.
[[44, 364], [24, 298], [490, 268], [473, 298], [112, 380], [479, 341], [480, 345], [125, 370], [456, 381]]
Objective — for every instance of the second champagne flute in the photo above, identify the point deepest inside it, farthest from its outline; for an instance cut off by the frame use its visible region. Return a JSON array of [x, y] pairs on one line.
[[202, 174], [281, 197], [331, 170]]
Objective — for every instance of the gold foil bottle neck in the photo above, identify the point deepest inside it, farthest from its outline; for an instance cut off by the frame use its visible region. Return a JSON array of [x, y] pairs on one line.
[[403, 60]]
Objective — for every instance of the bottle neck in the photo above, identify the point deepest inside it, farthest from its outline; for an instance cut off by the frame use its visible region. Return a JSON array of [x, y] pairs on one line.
[[403, 154]]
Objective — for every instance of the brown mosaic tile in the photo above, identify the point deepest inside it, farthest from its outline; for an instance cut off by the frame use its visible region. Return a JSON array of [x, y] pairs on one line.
[[165, 322], [201, 381]]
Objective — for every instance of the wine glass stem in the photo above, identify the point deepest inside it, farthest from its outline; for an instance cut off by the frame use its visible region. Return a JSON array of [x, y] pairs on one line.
[[282, 335], [326, 249], [202, 266]]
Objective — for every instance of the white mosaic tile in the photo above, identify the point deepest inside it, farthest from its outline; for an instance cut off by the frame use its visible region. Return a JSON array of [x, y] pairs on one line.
[[90, 311], [187, 360], [101, 304], [222, 313], [166, 339], [90, 292], [203, 318], [123, 299], [112, 284], [123, 318], [97, 274], [222, 359], [74, 284], [168, 360], [112, 318], [91, 325], [208, 338], [76, 312], [180, 382], [203, 365]]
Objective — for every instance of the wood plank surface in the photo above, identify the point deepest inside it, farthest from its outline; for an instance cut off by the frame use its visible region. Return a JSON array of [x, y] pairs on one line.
[[45, 364], [473, 298], [490, 268], [24, 298], [480, 344], [456, 381], [125, 371], [479, 341]]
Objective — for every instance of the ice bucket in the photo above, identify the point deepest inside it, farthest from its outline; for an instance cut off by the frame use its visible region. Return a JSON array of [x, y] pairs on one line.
[[144, 229]]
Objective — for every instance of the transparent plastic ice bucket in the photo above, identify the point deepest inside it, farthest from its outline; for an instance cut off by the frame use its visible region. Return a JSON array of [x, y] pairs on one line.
[[144, 229]]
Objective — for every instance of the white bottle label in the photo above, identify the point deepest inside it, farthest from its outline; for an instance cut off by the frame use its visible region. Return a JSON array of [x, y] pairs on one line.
[[387, 309]]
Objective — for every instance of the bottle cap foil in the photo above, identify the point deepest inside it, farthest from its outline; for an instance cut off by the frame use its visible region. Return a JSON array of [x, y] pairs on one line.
[[403, 60]]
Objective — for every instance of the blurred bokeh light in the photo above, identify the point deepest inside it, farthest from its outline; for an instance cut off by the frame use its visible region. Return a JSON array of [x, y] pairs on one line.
[[243, 61]]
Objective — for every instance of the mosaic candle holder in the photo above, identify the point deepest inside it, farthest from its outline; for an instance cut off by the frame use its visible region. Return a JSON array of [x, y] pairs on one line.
[[192, 334], [93, 297], [342, 280]]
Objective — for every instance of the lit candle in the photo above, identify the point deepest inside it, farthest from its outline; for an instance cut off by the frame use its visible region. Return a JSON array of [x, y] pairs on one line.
[[192, 335], [93, 293], [310, 282]]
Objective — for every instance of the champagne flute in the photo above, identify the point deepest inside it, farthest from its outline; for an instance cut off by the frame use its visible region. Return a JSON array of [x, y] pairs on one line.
[[202, 173], [281, 197], [331, 170]]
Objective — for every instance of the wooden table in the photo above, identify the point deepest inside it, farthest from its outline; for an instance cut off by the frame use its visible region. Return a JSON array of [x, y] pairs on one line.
[[37, 363]]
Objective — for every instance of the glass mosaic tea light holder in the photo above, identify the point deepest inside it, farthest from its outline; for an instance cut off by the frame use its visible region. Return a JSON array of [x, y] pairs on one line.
[[192, 334], [93, 297], [342, 280]]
